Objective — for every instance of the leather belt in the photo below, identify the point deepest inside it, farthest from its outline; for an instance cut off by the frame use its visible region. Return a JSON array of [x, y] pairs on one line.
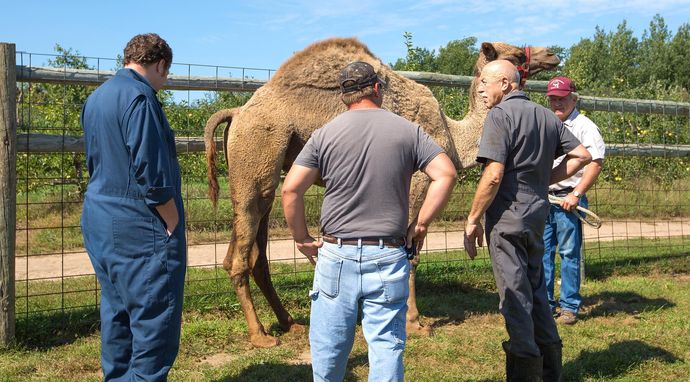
[[391, 242], [561, 193]]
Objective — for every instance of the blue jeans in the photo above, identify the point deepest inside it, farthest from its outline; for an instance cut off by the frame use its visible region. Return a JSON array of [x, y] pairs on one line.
[[349, 275], [564, 230]]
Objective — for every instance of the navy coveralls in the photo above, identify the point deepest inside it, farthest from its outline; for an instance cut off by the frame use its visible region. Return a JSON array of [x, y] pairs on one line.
[[133, 167], [526, 138]]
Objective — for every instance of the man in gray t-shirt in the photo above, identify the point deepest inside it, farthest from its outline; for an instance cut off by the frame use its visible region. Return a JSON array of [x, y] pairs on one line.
[[518, 145], [366, 158]]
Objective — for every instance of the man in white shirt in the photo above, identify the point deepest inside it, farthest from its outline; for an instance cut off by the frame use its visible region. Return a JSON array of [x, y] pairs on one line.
[[563, 229]]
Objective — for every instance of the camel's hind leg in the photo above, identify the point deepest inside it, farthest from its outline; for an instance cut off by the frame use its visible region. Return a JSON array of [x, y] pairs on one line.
[[255, 153], [262, 275], [243, 253], [413, 325]]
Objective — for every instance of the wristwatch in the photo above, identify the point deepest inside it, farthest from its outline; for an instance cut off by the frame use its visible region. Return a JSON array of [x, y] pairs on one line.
[[577, 194]]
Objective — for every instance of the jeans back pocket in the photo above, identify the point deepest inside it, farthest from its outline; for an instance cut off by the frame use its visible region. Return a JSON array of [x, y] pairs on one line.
[[328, 270], [395, 277]]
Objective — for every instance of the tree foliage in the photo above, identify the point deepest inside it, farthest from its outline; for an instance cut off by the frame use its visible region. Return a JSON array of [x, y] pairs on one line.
[[617, 64]]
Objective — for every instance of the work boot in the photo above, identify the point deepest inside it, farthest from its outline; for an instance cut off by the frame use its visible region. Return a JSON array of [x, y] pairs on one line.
[[556, 311], [522, 369], [567, 318], [553, 361]]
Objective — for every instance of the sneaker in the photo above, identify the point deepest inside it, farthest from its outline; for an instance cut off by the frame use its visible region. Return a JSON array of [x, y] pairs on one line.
[[567, 318]]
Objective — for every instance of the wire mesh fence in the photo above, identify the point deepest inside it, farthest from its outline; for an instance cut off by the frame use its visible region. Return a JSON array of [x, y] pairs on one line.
[[642, 194]]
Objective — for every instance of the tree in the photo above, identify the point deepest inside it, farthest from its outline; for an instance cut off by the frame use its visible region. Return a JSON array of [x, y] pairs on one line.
[[417, 59], [53, 109], [618, 64], [458, 57], [679, 56]]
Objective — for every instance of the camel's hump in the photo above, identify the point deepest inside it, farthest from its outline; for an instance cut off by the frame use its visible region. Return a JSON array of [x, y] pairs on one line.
[[318, 64]]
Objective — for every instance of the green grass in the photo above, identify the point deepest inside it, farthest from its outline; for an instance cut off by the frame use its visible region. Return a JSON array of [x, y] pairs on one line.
[[634, 325]]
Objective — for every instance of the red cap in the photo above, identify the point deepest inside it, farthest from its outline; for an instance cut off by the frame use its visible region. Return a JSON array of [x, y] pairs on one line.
[[560, 87]]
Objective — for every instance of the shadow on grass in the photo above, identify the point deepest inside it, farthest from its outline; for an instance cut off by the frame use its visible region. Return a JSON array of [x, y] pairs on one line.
[[452, 301], [609, 303], [301, 319], [279, 372], [44, 331], [614, 361], [668, 264]]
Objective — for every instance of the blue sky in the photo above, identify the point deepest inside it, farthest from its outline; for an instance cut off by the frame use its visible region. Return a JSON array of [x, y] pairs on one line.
[[264, 33]]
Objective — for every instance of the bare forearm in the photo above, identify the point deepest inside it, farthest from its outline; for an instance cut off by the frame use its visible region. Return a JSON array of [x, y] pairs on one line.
[[296, 183], [293, 207], [590, 176], [168, 212], [567, 168], [485, 194], [571, 164], [436, 198]]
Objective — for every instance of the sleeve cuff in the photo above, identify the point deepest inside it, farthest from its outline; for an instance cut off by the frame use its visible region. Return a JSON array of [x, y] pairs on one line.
[[158, 195]]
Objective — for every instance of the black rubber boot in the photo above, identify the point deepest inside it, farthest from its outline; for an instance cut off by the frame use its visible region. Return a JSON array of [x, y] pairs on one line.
[[522, 369], [553, 362]]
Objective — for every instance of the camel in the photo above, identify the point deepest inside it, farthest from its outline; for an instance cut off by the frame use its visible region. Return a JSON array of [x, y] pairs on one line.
[[263, 137]]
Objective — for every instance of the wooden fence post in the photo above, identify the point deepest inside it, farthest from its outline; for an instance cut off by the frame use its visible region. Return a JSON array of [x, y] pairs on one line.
[[8, 190]]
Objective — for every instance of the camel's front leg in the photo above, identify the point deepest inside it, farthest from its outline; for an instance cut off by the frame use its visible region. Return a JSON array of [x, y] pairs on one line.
[[418, 188]]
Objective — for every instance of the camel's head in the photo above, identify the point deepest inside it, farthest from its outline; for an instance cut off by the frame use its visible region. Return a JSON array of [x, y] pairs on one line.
[[536, 58]]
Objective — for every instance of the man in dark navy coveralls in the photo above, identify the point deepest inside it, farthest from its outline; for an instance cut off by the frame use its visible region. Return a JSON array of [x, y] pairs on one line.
[[133, 217], [518, 146]]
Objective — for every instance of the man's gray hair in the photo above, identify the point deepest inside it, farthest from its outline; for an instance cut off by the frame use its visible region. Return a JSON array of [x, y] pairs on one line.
[[516, 77]]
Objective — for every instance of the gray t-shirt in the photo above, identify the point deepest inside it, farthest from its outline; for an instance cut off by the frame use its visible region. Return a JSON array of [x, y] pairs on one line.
[[526, 138], [366, 158]]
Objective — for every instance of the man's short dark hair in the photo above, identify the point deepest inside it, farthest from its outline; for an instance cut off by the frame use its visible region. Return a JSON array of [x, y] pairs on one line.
[[146, 49]]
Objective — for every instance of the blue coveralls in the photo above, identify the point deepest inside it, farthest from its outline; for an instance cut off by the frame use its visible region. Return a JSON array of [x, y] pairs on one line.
[[133, 167]]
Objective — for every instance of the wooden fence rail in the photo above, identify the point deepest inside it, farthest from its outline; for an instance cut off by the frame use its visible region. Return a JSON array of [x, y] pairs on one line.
[[177, 82], [45, 143]]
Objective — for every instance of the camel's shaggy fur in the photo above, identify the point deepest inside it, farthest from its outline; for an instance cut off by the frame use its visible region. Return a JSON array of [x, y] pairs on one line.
[[264, 136]]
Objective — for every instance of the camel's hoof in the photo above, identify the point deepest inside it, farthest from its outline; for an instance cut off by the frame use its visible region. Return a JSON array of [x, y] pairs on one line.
[[264, 341], [415, 328], [295, 328]]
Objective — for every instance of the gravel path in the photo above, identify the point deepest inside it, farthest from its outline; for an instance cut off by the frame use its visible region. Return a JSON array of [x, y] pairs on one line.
[[283, 250]]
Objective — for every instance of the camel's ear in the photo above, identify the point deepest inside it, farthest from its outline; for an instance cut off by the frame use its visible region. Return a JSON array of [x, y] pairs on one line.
[[489, 51]]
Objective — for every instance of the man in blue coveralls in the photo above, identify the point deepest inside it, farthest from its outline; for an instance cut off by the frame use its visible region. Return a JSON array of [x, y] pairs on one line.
[[133, 218]]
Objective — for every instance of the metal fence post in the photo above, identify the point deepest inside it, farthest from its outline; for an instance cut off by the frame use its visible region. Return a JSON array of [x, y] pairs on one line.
[[8, 191]]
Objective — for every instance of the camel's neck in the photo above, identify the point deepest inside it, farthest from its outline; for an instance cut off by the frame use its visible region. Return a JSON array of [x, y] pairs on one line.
[[467, 132]]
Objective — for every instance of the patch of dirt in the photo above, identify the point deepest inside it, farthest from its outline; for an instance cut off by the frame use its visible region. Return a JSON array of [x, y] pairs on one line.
[[217, 360], [682, 278], [677, 277], [304, 358]]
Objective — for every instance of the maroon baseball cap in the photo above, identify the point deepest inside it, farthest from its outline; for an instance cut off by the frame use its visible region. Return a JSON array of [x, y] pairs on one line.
[[560, 87]]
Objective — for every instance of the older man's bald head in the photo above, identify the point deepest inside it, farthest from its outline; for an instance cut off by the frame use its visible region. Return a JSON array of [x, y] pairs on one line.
[[502, 68], [497, 79]]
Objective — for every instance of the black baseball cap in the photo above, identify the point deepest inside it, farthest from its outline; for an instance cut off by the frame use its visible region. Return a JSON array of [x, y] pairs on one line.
[[356, 76]]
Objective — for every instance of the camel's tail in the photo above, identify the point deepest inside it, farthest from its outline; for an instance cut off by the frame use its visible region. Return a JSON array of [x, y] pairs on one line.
[[222, 116]]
